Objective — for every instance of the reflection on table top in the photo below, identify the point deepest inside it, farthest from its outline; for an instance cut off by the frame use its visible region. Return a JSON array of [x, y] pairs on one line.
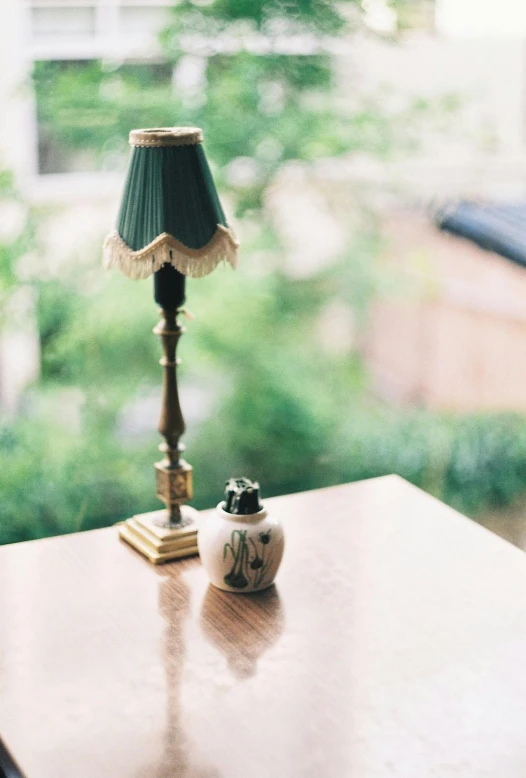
[[392, 644]]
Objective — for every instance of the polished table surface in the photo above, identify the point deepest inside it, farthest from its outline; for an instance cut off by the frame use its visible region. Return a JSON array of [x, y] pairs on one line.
[[393, 644]]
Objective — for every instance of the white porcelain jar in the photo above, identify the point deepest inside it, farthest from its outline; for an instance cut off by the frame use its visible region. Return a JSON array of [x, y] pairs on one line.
[[241, 553]]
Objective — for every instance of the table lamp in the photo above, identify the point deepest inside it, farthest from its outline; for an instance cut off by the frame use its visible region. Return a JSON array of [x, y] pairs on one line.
[[171, 224]]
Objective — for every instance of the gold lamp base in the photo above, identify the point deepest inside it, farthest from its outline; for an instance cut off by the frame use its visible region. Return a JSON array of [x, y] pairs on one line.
[[159, 543]]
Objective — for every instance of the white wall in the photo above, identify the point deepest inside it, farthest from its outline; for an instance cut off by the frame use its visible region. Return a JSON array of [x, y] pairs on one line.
[[17, 122], [489, 75], [486, 18]]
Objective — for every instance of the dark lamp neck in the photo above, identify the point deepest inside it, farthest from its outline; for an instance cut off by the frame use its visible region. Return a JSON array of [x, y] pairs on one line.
[[169, 288]]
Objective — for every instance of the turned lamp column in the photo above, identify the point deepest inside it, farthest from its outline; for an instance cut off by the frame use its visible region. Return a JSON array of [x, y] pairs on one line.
[[174, 475]]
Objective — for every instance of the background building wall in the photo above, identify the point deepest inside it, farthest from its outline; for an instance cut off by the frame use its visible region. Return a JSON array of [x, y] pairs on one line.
[[453, 335]]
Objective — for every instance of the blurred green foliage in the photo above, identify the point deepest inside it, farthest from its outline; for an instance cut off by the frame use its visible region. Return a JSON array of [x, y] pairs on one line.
[[16, 242], [55, 479], [288, 414], [267, 108], [274, 404], [85, 110]]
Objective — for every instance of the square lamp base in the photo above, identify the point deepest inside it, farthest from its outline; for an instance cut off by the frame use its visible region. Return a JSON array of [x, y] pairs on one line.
[[162, 544]]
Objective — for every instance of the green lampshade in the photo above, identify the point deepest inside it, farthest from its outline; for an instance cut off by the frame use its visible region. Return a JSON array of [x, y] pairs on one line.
[[170, 211]]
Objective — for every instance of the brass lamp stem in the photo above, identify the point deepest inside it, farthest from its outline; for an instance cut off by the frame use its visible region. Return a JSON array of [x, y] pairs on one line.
[[171, 422], [174, 475]]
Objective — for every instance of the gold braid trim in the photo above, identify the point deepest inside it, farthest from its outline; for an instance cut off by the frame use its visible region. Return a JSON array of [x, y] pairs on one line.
[[166, 136], [196, 263]]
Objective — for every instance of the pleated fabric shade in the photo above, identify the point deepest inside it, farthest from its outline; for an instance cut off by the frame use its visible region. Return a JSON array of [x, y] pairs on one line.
[[170, 211]]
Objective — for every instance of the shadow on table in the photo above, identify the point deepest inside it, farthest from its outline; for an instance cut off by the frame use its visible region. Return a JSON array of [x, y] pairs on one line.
[[176, 759], [242, 626]]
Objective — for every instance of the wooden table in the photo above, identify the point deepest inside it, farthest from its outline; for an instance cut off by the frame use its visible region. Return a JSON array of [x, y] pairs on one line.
[[394, 644]]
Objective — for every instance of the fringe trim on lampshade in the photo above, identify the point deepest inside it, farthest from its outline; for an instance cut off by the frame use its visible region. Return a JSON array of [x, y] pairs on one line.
[[196, 263]]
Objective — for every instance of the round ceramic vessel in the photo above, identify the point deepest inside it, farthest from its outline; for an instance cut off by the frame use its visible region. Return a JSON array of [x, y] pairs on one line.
[[241, 553]]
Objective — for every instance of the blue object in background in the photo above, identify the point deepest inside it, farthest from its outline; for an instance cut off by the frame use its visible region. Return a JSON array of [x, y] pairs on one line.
[[495, 227]]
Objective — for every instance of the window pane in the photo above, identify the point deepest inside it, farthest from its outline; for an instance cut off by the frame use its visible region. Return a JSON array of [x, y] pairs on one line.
[[58, 22], [142, 19]]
